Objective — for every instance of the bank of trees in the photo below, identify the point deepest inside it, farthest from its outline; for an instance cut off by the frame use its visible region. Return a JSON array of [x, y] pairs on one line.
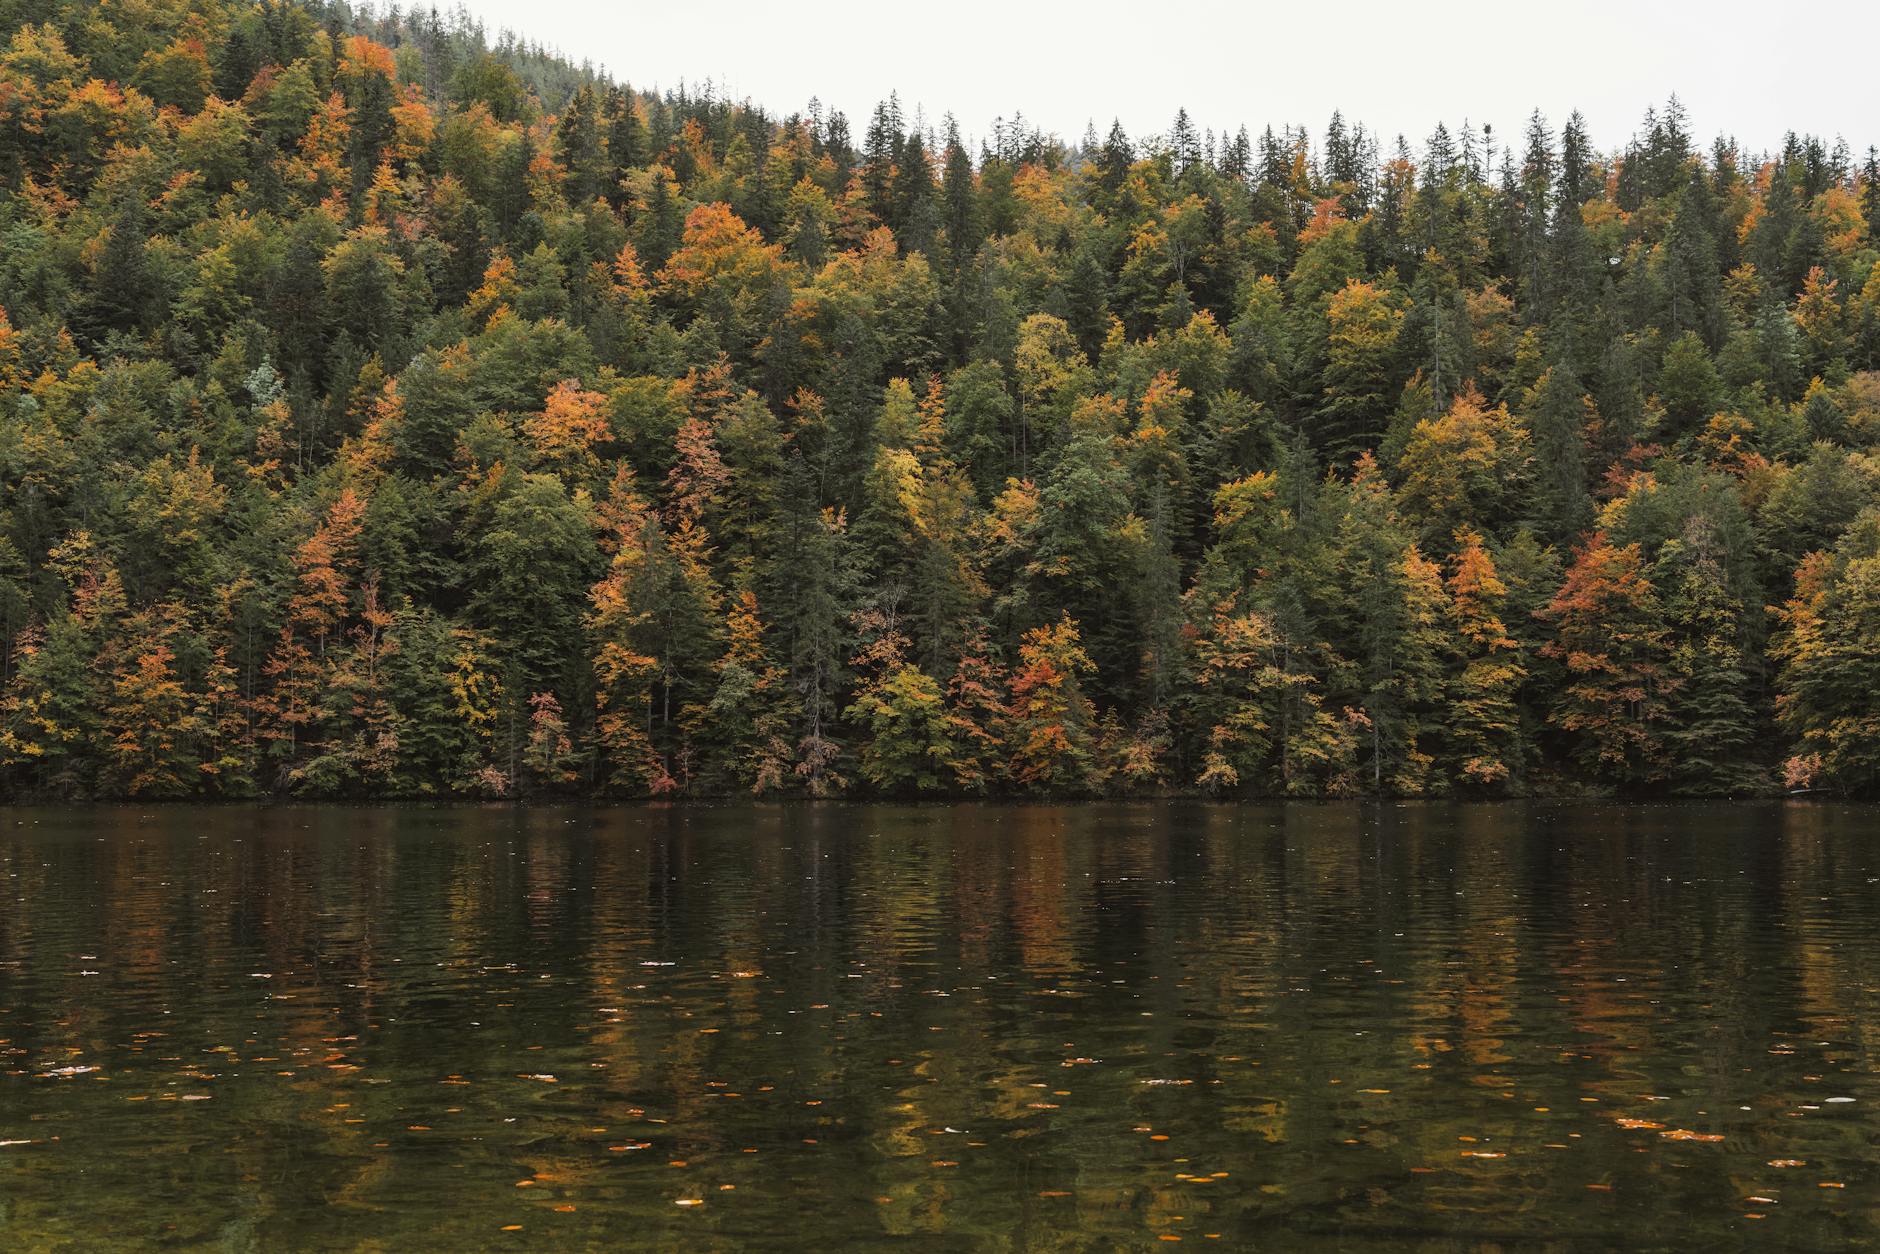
[[382, 413]]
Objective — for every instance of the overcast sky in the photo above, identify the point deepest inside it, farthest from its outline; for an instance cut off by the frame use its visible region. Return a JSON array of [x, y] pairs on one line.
[[1750, 70]]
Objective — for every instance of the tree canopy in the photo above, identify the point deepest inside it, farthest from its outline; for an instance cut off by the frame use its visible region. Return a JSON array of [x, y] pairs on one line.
[[388, 412]]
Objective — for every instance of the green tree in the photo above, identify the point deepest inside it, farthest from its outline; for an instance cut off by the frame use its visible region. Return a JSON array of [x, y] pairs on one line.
[[1829, 650]]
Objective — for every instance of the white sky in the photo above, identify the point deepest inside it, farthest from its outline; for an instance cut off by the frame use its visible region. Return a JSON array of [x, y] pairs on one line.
[[1751, 70]]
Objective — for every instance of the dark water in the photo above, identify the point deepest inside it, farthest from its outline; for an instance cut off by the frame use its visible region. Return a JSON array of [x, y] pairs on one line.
[[1306, 1027]]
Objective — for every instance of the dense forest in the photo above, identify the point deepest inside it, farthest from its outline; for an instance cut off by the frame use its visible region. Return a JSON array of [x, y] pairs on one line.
[[384, 412]]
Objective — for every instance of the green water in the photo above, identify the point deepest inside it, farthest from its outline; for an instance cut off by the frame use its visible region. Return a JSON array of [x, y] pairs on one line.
[[1258, 1027]]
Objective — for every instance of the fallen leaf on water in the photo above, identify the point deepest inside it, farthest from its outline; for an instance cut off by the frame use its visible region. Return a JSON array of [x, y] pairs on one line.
[[1788, 1162], [1638, 1123], [688, 1201], [1831, 1184], [1685, 1134]]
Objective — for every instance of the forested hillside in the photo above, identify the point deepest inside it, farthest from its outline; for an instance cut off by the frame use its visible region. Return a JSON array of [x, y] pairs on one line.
[[387, 414]]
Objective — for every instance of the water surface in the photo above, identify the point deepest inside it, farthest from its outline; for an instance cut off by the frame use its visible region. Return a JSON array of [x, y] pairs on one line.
[[961, 1028]]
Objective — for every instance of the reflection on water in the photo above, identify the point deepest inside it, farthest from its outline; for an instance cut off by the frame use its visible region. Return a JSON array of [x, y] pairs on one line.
[[1288, 1027]]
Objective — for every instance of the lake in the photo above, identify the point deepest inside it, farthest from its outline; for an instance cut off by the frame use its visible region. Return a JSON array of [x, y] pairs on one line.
[[1297, 1027]]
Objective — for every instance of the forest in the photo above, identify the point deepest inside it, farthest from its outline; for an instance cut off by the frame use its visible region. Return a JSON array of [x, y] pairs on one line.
[[389, 412]]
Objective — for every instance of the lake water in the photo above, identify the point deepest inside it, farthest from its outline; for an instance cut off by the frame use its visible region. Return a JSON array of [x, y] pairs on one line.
[[1108, 1027]]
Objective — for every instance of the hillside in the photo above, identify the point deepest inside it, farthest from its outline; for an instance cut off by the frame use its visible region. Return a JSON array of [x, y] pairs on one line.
[[384, 412]]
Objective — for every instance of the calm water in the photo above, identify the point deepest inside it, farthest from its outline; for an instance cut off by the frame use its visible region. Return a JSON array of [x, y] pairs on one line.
[[1304, 1027]]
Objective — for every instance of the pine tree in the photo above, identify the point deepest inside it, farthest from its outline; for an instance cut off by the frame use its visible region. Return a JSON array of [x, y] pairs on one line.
[[1829, 651], [1711, 736], [1481, 723], [1611, 641], [1558, 413]]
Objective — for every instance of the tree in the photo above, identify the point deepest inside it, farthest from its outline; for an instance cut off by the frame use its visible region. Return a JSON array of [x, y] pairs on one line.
[[1829, 650], [1482, 732], [1687, 384], [1238, 682], [530, 566], [816, 595], [1050, 725], [1467, 468], [1610, 639], [625, 677], [1557, 415], [1360, 344], [909, 747], [976, 702], [50, 724], [1712, 733], [743, 729]]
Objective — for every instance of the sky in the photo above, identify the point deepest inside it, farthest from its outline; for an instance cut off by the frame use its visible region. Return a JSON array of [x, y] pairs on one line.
[[1747, 70]]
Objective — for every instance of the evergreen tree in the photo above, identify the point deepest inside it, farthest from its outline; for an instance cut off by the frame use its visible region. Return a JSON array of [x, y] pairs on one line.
[[1711, 736], [1611, 641]]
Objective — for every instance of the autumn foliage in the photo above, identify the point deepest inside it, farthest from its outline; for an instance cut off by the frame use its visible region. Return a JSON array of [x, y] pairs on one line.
[[386, 414]]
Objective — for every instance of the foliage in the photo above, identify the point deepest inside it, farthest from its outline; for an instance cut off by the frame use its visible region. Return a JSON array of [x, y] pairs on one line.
[[384, 412]]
